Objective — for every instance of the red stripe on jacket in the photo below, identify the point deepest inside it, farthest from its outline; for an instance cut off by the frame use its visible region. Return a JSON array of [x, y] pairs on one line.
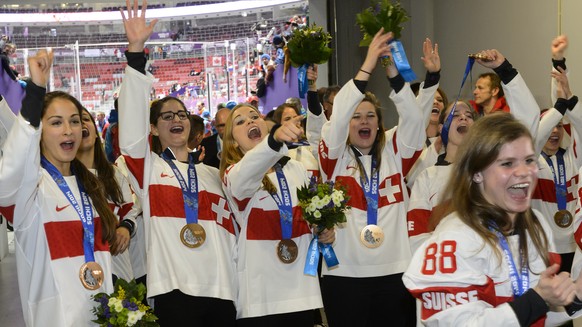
[[65, 238], [266, 224]]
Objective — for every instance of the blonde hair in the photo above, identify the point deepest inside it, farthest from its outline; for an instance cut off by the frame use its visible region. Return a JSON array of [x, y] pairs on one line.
[[231, 154]]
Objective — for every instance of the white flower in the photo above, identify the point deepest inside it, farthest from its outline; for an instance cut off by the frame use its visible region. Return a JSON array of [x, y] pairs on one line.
[[337, 197], [320, 203], [133, 317], [311, 207], [113, 301], [317, 214]]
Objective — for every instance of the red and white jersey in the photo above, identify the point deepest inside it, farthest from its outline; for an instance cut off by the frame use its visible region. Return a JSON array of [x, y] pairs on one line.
[[544, 197], [48, 236], [461, 281], [266, 285], [338, 162], [122, 267], [137, 251], [170, 264], [426, 194]]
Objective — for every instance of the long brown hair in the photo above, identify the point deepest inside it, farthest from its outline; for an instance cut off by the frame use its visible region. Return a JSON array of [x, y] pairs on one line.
[[479, 150], [380, 140], [93, 187], [105, 170], [232, 154]]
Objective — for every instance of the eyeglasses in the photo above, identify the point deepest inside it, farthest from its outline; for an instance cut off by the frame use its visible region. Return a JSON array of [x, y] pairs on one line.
[[169, 115]]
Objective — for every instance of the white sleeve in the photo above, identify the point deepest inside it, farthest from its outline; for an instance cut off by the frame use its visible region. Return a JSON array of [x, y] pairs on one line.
[[428, 158], [419, 210], [522, 104], [7, 119], [244, 178], [314, 125], [20, 169], [411, 133], [575, 117], [547, 123]]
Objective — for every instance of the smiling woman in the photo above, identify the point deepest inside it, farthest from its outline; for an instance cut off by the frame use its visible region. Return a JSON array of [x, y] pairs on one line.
[[493, 245], [62, 223]]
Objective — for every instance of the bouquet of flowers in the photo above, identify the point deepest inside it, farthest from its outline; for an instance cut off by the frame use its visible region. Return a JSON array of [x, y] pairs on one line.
[[323, 203], [309, 46], [124, 306], [382, 13]]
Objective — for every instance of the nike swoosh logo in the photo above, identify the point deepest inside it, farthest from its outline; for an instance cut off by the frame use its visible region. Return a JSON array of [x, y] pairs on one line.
[[351, 167], [59, 209], [429, 199], [162, 175], [264, 197]]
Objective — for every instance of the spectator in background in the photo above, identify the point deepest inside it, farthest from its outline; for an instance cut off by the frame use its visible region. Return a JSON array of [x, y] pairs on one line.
[[488, 95], [328, 98], [213, 144], [253, 100], [196, 131], [230, 104], [101, 121], [8, 50], [111, 136]]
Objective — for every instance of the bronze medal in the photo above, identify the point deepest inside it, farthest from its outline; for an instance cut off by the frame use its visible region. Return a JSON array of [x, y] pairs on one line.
[[91, 275], [563, 218], [193, 235], [372, 236], [287, 251]]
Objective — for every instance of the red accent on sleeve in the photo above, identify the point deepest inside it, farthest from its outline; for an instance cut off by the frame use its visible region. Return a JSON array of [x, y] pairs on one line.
[[327, 164], [8, 212], [437, 299], [417, 221], [136, 168]]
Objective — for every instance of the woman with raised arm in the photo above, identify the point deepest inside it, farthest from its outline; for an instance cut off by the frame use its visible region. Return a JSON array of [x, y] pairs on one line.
[[356, 152], [190, 235], [63, 225], [260, 182]]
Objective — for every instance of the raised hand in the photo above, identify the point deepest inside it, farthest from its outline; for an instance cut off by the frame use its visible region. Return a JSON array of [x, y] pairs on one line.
[[290, 131], [40, 67], [136, 29], [378, 48], [563, 89], [495, 58], [556, 289], [559, 46], [430, 58], [312, 77]]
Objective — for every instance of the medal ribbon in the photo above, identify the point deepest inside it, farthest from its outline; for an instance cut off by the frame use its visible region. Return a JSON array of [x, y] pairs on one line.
[[559, 179], [312, 258], [370, 187], [285, 206], [302, 82], [85, 213], [400, 60], [519, 284], [449, 119], [190, 189]]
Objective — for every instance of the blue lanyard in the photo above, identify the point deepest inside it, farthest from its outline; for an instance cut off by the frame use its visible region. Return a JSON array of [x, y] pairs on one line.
[[285, 206], [85, 213], [449, 119], [370, 187], [401, 61], [189, 190], [519, 284], [560, 179]]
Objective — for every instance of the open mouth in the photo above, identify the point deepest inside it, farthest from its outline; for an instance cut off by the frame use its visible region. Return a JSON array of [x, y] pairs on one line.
[[364, 132], [177, 129], [435, 111], [254, 133], [462, 129], [67, 145], [519, 190], [85, 133]]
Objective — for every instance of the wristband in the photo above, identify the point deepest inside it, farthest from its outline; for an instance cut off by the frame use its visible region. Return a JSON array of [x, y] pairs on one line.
[[363, 71]]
